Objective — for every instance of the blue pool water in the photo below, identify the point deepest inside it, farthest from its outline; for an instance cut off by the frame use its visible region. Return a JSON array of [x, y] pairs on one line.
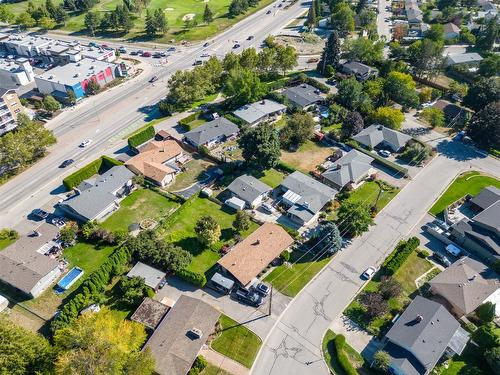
[[71, 277]]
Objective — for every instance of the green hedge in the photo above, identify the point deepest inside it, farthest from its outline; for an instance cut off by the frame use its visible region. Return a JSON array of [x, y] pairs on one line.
[[98, 166], [283, 167], [198, 279], [396, 259], [141, 137], [186, 120], [342, 358], [389, 164]]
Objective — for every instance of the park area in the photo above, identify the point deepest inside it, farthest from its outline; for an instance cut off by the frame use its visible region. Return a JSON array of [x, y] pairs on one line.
[[468, 183], [307, 157], [176, 12]]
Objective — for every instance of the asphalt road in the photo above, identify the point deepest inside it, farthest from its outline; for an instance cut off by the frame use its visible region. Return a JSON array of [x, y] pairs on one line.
[[294, 344], [105, 117]]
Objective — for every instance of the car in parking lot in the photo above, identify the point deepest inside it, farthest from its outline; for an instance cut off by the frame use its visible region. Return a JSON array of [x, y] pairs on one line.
[[171, 49], [85, 142], [66, 163], [369, 272], [262, 289], [122, 49], [441, 258], [134, 53], [157, 55], [384, 153], [41, 214], [249, 297], [146, 54]]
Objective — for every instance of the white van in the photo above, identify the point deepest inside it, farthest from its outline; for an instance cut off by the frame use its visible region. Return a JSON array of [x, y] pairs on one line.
[[453, 250]]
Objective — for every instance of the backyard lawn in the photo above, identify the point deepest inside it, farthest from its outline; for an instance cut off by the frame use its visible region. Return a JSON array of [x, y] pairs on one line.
[[179, 230], [236, 342], [290, 280], [467, 183], [195, 171], [213, 370], [141, 204], [369, 193], [271, 177], [87, 256], [307, 157]]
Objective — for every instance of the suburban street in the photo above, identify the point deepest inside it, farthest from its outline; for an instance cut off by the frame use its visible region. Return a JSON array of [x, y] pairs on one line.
[[294, 344], [108, 117]]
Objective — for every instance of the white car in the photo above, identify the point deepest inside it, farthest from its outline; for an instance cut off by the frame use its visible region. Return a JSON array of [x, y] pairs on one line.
[[86, 142], [384, 153], [369, 272]]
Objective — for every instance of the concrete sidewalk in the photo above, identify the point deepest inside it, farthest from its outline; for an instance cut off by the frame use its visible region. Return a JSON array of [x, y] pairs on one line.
[[223, 362]]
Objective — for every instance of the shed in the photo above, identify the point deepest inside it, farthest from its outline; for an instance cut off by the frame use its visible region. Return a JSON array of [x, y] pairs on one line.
[[152, 277], [235, 203]]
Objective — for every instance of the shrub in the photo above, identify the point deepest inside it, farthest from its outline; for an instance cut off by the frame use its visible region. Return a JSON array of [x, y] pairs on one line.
[[98, 166], [486, 312], [198, 366], [399, 255], [7, 233], [487, 336], [285, 255], [423, 254], [381, 360], [339, 342], [187, 120], [390, 288], [166, 108], [375, 304], [198, 279], [141, 137], [285, 167]]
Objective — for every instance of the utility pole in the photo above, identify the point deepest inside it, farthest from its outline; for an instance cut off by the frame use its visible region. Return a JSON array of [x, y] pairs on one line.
[[270, 301]]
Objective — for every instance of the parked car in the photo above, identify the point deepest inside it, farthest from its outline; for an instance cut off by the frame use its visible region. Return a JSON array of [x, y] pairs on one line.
[[41, 214], [236, 45], [122, 49], [266, 207], [441, 258], [205, 54], [157, 55], [171, 49], [331, 82], [441, 224], [58, 222], [93, 44], [384, 153], [162, 283], [369, 272], [453, 250], [134, 53], [263, 289], [85, 142], [248, 297], [146, 54], [66, 163], [105, 46], [460, 135]]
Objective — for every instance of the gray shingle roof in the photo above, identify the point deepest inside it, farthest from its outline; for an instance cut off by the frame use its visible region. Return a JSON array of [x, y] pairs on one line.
[[490, 217], [486, 197], [349, 168], [302, 95], [211, 130], [356, 67], [248, 188], [425, 328], [256, 111], [152, 277], [485, 238], [376, 134], [464, 58], [173, 349]]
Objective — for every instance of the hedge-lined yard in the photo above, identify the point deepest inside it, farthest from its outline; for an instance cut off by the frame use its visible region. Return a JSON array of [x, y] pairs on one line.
[[99, 166], [141, 137], [340, 357]]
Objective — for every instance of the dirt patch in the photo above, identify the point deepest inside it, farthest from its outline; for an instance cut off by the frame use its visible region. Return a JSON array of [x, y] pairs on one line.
[[304, 46], [188, 17], [307, 157]]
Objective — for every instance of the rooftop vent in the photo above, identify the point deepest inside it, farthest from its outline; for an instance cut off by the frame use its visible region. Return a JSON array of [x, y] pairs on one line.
[[419, 318]]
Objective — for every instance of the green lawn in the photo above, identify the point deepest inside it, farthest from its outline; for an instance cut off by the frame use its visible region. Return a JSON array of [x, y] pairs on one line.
[[6, 242], [469, 362], [236, 342], [331, 357], [141, 204], [467, 183], [307, 157], [195, 169], [87, 256], [179, 229], [271, 177], [213, 370], [290, 280], [369, 193]]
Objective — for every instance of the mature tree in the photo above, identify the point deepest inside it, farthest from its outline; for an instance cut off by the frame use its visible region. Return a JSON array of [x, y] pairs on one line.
[[365, 50], [389, 117], [482, 92], [490, 66], [149, 23], [268, 61], [426, 56], [25, 21], [435, 33], [375, 304], [488, 35], [260, 146], [331, 53], [381, 360], [50, 104], [354, 218], [390, 288], [441, 4], [298, 129], [6, 15], [242, 221], [374, 88], [60, 15], [133, 289], [102, 343], [208, 230], [349, 93], [433, 116], [484, 127], [401, 88], [92, 88], [208, 15], [237, 7], [487, 336], [366, 17], [286, 58], [486, 312], [327, 238], [311, 16], [248, 59], [22, 351], [342, 19], [352, 124], [244, 86], [415, 153], [493, 358], [92, 22], [160, 21], [231, 61], [46, 23], [457, 88], [68, 233]]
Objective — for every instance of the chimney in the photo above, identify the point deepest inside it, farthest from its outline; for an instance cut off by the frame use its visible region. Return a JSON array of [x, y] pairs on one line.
[[419, 318]]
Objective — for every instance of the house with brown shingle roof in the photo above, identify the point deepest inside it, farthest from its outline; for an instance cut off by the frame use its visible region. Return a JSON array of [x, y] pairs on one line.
[[157, 161], [249, 257]]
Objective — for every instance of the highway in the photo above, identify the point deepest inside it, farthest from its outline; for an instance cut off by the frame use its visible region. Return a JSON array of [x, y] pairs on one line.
[[105, 117]]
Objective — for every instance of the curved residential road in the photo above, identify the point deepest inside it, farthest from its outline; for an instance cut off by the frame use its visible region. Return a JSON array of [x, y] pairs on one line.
[[109, 116], [293, 346]]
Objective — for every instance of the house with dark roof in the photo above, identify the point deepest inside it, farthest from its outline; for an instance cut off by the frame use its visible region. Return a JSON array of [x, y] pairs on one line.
[[98, 198], [303, 96], [359, 70], [304, 197], [454, 114], [480, 235], [464, 286], [260, 111], [348, 171], [25, 266], [423, 333], [382, 137], [249, 189], [212, 133], [178, 339]]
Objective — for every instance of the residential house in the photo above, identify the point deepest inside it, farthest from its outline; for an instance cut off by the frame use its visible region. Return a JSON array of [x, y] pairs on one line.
[[348, 171], [10, 107], [157, 161], [249, 189], [152, 276], [464, 286], [382, 137], [470, 59], [212, 133], [98, 198], [303, 96], [414, 15], [248, 258], [451, 31], [25, 266], [304, 197], [423, 333], [150, 313], [260, 111], [454, 114], [179, 337], [361, 71], [480, 235]]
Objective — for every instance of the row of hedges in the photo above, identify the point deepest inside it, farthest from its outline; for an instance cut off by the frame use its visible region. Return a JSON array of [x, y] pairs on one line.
[[92, 287], [98, 166], [342, 358], [187, 120], [195, 278], [141, 137], [396, 259], [283, 167]]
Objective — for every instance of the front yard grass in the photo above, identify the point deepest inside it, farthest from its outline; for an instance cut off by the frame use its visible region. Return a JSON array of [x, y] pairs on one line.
[[195, 171], [289, 280], [179, 230], [467, 183], [141, 204], [236, 341], [471, 361], [369, 192], [213, 370], [307, 157], [331, 356]]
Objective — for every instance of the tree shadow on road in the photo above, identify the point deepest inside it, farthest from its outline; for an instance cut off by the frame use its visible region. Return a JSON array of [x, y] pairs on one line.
[[457, 151]]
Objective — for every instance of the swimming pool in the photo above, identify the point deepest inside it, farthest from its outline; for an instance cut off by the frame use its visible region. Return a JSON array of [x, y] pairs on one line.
[[71, 277]]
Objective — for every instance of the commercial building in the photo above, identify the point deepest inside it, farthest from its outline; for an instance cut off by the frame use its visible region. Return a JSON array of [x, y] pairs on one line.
[[15, 73], [10, 107]]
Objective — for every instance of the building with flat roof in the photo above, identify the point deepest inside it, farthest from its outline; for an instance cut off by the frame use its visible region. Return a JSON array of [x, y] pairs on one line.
[[150, 313], [470, 59], [15, 73], [10, 107]]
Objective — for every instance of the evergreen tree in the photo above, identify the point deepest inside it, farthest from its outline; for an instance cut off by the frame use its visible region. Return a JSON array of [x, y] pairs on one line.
[[317, 8], [208, 16], [92, 22], [331, 53], [160, 21], [150, 24], [237, 7], [311, 16]]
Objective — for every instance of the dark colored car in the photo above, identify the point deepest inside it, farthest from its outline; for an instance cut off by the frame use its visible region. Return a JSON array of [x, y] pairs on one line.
[[263, 289], [237, 45], [268, 12], [39, 213], [134, 53], [248, 297], [206, 44], [250, 37], [442, 259], [153, 79], [157, 55], [146, 54], [66, 163]]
